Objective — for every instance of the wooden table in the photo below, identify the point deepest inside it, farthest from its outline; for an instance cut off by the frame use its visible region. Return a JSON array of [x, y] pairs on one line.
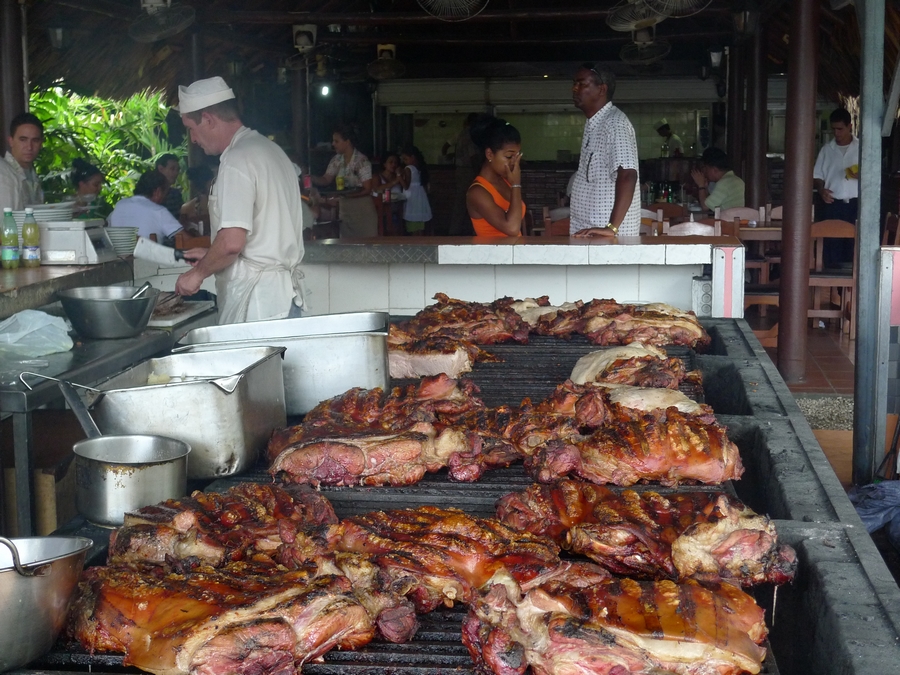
[[760, 233]]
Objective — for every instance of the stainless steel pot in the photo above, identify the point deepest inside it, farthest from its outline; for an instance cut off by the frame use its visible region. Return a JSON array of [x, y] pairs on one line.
[[37, 577], [116, 474]]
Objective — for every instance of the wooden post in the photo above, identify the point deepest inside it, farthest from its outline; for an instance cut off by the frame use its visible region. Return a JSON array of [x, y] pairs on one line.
[[800, 153], [736, 108], [300, 115], [12, 65], [756, 176]]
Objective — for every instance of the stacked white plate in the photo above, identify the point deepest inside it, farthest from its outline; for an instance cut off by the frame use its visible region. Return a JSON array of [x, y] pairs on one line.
[[44, 213], [123, 239]]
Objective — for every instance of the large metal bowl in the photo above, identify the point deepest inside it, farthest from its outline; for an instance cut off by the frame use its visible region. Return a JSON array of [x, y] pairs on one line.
[[108, 311], [34, 604]]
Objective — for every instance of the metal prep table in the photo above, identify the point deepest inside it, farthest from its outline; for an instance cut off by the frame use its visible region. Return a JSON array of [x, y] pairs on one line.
[[86, 363]]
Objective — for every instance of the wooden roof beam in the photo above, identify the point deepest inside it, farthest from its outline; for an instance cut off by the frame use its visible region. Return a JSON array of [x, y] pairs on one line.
[[395, 38], [218, 15]]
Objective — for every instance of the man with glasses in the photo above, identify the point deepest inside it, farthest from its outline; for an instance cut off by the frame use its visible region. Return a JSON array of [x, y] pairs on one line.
[[605, 199]]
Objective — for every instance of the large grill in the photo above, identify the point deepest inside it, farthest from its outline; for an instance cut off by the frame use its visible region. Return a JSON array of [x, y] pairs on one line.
[[841, 615]]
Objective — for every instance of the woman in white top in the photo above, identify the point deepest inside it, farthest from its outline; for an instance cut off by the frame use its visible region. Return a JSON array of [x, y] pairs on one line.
[[414, 179]]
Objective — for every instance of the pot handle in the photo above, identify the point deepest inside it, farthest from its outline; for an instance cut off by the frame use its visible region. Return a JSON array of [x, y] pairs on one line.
[[53, 379], [228, 384], [39, 571]]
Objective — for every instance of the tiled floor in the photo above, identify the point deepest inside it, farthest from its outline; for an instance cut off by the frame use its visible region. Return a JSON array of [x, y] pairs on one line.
[[830, 354]]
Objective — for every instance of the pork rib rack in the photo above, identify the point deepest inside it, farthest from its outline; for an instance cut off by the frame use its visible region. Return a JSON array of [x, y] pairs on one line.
[[576, 619], [364, 437], [249, 521], [438, 556], [707, 536]]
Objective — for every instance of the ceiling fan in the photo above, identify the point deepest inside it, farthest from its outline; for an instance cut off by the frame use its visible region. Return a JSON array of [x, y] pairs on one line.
[[632, 15], [644, 49], [159, 20], [386, 66], [453, 10]]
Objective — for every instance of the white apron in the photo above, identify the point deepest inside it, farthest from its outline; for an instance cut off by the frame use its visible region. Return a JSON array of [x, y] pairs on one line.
[[250, 291]]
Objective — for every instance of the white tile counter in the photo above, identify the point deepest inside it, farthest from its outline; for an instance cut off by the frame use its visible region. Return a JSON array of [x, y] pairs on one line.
[[400, 275]]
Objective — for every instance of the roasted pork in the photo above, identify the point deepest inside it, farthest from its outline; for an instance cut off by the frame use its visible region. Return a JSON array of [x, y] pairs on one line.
[[707, 536], [575, 619]]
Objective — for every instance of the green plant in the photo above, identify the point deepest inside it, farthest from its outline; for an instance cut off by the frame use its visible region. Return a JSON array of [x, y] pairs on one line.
[[122, 138]]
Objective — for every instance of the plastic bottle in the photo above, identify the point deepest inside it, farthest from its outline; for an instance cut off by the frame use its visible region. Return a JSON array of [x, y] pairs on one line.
[[9, 239], [31, 241]]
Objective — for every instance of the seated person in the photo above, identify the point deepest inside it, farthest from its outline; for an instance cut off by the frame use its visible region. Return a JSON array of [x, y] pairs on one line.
[[716, 168], [145, 210]]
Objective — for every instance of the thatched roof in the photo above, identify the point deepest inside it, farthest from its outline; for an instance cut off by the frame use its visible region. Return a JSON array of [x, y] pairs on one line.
[[507, 38]]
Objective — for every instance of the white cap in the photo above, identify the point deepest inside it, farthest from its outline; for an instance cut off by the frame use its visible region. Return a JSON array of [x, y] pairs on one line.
[[659, 125], [202, 94]]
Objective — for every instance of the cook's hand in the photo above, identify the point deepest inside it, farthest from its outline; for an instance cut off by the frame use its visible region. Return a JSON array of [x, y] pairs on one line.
[[698, 177], [514, 170], [594, 232], [189, 282], [826, 195], [195, 255]]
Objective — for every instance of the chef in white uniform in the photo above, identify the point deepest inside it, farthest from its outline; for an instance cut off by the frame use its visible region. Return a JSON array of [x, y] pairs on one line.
[[255, 211]]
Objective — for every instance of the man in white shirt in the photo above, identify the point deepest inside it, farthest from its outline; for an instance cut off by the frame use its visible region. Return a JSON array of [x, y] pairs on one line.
[[255, 209], [19, 182], [145, 209], [605, 198], [836, 179]]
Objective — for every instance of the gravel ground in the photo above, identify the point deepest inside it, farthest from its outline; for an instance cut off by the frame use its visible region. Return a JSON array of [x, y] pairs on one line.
[[827, 412]]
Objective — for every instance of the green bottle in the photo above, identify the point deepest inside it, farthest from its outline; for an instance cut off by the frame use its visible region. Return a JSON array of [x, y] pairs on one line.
[[9, 240], [31, 241]]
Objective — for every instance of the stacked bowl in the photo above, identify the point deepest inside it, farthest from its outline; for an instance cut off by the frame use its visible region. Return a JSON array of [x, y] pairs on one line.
[[123, 239]]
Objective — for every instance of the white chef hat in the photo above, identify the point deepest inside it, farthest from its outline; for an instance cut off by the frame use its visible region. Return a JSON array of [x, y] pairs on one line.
[[202, 94], [661, 123]]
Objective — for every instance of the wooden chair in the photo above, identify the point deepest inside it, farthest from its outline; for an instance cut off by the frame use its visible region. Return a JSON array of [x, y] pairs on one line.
[[694, 228], [830, 285], [739, 212], [185, 241], [669, 211], [650, 227], [891, 234]]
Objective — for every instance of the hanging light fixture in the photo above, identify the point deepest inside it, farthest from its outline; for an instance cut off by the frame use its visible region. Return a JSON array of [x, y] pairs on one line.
[[716, 54]]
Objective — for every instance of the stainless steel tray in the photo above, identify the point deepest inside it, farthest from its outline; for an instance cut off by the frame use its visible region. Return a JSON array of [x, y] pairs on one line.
[[224, 403], [326, 355]]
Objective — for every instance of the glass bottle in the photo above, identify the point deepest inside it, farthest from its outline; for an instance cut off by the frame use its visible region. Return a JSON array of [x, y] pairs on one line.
[[664, 149], [9, 239], [31, 241]]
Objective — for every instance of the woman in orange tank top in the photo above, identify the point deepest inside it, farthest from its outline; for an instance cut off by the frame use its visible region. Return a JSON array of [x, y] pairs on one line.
[[494, 200]]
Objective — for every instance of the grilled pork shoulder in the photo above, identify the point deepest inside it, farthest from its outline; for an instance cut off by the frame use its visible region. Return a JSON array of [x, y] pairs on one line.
[[441, 556], [707, 536], [576, 619], [208, 621], [671, 449]]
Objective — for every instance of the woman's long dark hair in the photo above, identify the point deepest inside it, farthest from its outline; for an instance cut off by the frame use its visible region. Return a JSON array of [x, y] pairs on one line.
[[82, 170], [421, 165], [492, 132]]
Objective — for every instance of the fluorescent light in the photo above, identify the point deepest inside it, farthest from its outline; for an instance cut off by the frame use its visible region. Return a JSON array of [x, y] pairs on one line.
[[325, 90]]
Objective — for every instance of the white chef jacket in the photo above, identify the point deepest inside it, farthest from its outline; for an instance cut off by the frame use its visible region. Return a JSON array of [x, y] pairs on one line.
[[257, 190], [831, 166], [608, 143]]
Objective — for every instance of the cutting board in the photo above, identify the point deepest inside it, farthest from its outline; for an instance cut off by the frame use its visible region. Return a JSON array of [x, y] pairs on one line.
[[189, 309]]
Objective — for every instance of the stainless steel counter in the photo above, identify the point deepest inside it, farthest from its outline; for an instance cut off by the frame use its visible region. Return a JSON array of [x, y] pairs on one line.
[[27, 288], [87, 362]]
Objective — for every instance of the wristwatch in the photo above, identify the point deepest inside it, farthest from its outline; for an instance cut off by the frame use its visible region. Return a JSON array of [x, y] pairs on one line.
[[614, 228]]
